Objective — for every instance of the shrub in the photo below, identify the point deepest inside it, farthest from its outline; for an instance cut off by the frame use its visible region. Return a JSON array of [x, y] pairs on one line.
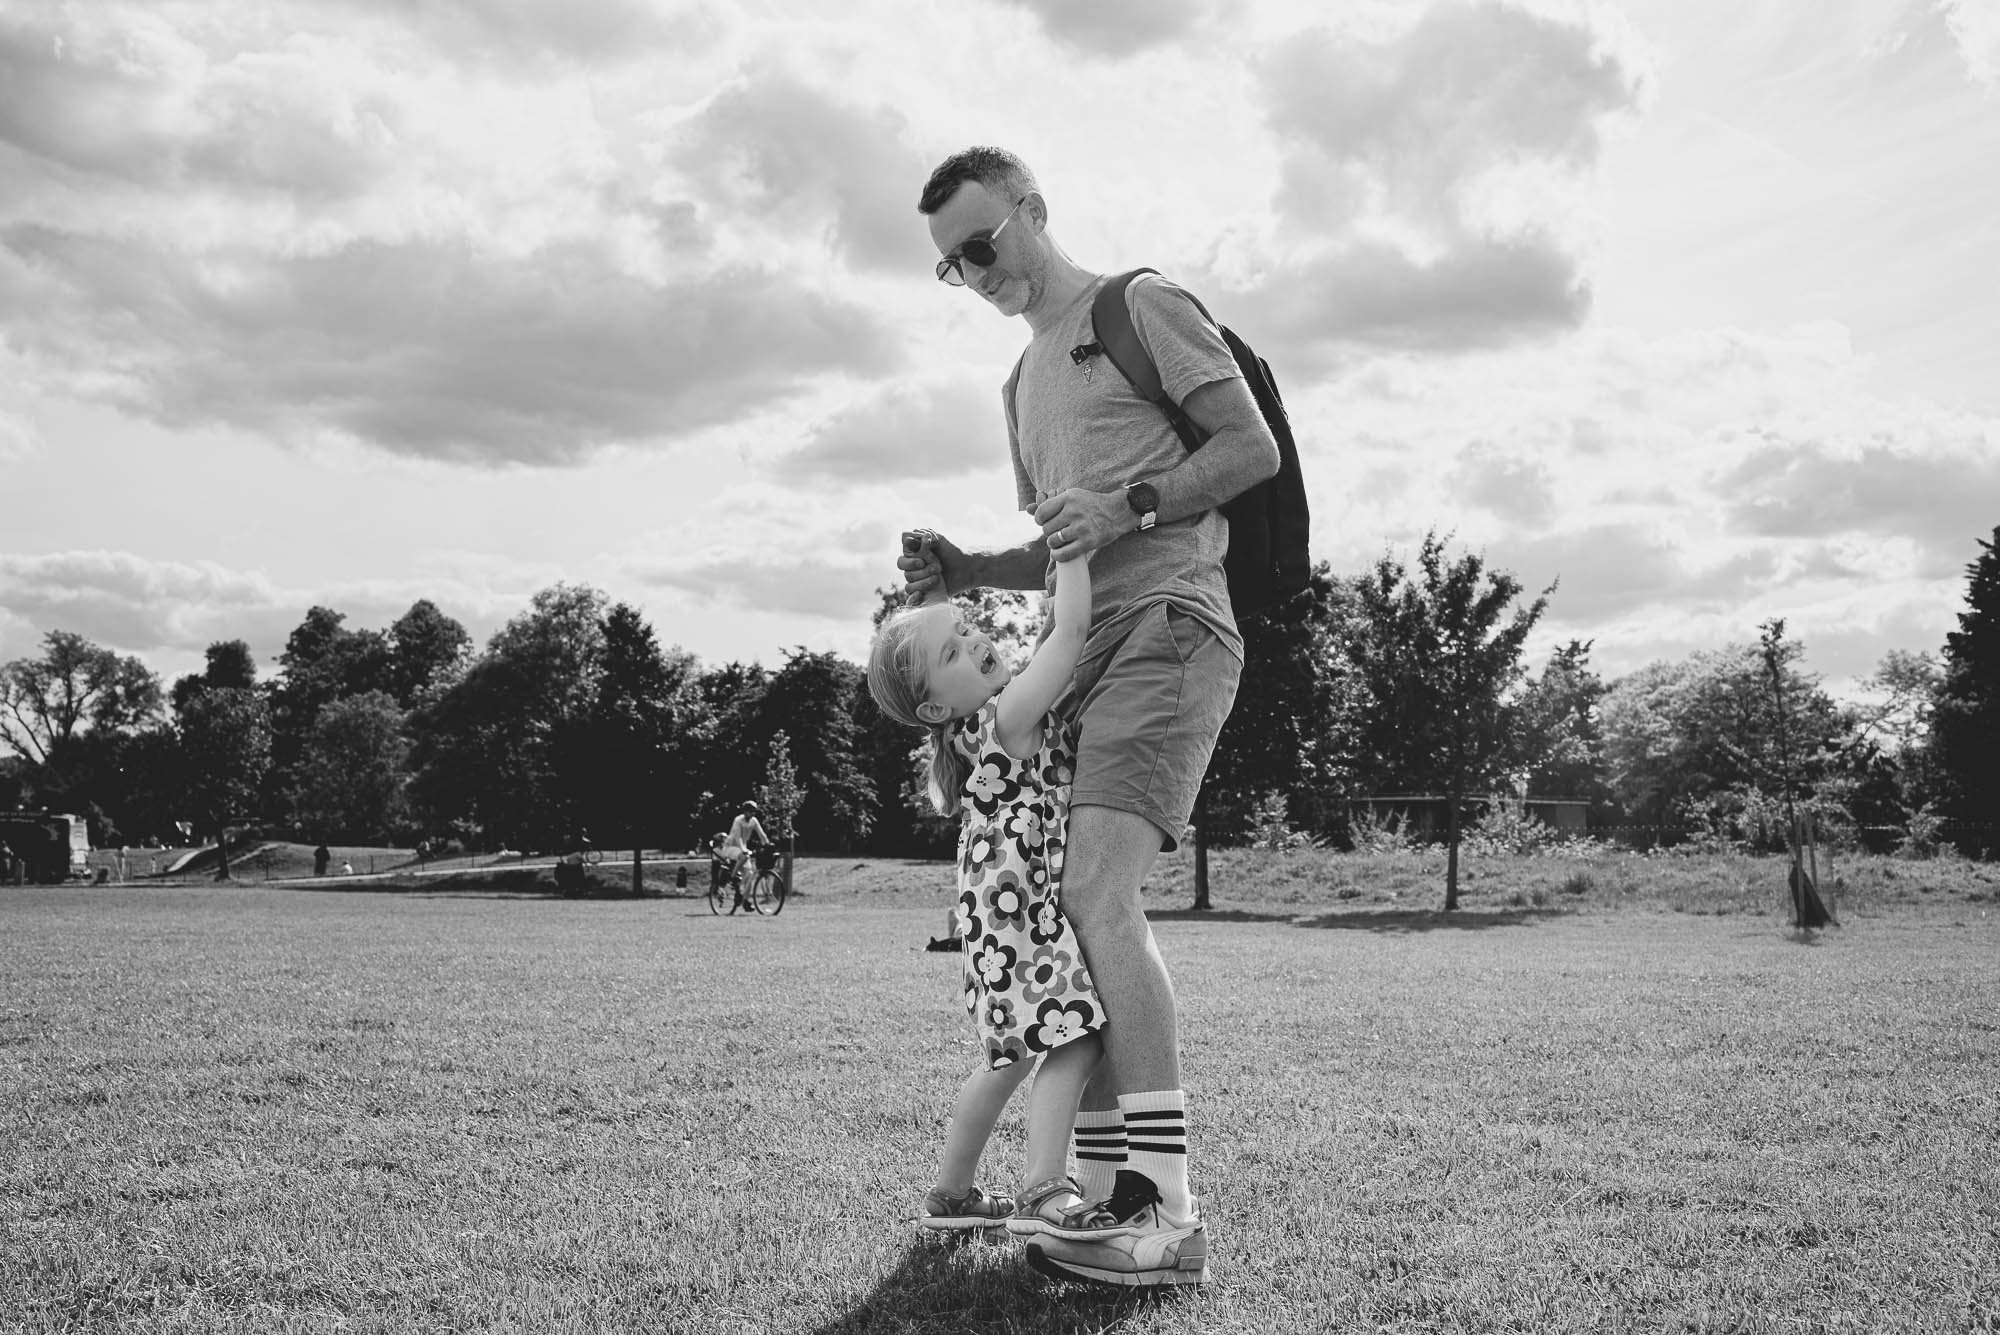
[[1379, 834], [1271, 826], [1508, 828], [1920, 835]]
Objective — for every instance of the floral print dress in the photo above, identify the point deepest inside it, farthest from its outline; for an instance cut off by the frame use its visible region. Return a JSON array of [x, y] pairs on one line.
[[1026, 986]]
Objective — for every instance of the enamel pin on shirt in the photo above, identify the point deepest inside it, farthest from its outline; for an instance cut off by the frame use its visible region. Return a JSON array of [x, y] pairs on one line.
[[1081, 355]]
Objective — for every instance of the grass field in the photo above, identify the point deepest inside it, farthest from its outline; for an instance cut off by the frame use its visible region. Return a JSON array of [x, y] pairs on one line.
[[1613, 1094]]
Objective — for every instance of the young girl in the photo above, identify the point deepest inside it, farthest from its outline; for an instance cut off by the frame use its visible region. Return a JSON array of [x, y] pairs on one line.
[[1001, 756]]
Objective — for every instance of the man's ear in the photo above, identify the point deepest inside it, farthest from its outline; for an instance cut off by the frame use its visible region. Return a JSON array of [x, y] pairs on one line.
[[933, 713]]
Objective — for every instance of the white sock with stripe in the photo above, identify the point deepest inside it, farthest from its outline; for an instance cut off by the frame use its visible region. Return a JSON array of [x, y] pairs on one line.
[[1156, 1145], [1098, 1143]]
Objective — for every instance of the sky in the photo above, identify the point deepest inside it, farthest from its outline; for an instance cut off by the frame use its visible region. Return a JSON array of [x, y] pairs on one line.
[[1687, 307]]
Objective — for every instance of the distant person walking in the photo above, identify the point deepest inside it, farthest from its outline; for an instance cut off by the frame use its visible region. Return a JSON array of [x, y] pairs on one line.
[[1002, 758], [321, 857]]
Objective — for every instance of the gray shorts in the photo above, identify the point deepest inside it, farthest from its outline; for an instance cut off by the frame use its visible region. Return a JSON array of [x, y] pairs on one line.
[[1151, 707]]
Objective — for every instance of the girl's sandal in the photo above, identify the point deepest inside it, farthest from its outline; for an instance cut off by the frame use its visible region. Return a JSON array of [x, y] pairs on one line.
[[1038, 1210], [970, 1209]]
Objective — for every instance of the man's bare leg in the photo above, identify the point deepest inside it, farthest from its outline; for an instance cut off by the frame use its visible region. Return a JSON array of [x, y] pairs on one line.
[[1110, 852]]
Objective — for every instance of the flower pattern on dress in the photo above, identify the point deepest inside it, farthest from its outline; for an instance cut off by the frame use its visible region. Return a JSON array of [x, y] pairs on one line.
[[1045, 974], [993, 963], [1057, 1022], [1009, 911]]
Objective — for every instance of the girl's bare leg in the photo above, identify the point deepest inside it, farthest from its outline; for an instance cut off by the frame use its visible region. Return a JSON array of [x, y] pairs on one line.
[[980, 1101], [1052, 1105]]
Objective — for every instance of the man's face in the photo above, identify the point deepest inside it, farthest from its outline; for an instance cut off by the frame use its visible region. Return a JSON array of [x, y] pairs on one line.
[[1013, 282]]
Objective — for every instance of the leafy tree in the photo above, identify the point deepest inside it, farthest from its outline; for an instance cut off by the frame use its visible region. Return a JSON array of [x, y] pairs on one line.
[[226, 749], [1965, 729], [230, 664], [812, 699], [351, 777], [729, 758], [647, 705], [1560, 743], [426, 647], [1700, 739], [1439, 652], [1289, 739], [504, 752], [73, 685]]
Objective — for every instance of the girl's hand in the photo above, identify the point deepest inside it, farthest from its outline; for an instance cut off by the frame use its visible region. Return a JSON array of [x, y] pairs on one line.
[[926, 563]]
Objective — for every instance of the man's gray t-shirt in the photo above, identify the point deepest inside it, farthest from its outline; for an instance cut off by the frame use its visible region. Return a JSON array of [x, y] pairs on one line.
[[1083, 425]]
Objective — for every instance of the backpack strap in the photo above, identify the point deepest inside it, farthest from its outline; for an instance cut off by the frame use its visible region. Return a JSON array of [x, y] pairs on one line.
[[1111, 321]]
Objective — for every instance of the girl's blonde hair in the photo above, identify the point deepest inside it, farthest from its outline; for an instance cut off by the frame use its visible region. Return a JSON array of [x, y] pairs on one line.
[[899, 683]]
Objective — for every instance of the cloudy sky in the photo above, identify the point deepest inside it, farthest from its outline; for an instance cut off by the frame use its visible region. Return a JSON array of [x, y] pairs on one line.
[[1690, 304]]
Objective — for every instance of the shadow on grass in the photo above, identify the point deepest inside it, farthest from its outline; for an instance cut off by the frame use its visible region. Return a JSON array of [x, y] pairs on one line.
[[1427, 920], [1215, 915], [946, 1285]]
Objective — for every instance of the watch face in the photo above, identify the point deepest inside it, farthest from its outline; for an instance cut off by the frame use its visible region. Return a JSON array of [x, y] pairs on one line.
[[1142, 498]]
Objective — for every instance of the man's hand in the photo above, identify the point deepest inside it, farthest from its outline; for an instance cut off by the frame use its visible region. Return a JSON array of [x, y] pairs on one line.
[[1077, 522], [929, 563]]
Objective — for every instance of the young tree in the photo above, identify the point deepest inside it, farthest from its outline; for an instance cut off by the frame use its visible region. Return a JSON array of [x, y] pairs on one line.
[[1439, 651], [74, 684], [1965, 729], [1700, 738]]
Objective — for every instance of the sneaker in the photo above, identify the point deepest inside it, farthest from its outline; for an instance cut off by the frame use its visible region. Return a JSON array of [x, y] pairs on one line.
[[1159, 1253], [969, 1209]]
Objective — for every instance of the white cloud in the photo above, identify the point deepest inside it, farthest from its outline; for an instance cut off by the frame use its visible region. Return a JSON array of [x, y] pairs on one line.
[[1428, 176], [170, 611], [1114, 28], [930, 431], [1975, 26], [776, 148]]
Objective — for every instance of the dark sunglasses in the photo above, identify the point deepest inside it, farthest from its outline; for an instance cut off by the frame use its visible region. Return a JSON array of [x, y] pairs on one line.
[[977, 250]]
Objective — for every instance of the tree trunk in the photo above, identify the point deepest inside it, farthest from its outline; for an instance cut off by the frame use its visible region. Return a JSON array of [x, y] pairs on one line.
[[221, 852], [638, 885], [1451, 853], [1201, 849]]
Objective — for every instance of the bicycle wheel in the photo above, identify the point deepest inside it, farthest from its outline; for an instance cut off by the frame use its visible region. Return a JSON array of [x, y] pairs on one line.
[[771, 892], [757, 892], [715, 892]]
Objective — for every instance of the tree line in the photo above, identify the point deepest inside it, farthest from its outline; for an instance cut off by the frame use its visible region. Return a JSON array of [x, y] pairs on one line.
[[1408, 678]]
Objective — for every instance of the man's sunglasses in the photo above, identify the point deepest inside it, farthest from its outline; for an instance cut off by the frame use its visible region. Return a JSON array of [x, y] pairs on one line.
[[978, 250]]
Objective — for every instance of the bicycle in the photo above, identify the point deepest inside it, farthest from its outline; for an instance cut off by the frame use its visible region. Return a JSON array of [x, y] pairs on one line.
[[764, 892]]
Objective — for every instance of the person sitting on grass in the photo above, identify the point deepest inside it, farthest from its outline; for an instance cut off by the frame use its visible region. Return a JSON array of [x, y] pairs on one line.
[[1004, 759]]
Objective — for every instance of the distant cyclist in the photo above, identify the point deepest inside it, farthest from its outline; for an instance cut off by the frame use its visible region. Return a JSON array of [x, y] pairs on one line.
[[745, 833]]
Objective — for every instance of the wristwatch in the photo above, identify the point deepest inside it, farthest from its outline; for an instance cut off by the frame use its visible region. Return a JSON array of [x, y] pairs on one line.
[[1145, 503]]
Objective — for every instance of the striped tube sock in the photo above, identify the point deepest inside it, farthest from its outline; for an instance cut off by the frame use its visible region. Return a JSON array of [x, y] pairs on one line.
[[1156, 1145], [1098, 1143]]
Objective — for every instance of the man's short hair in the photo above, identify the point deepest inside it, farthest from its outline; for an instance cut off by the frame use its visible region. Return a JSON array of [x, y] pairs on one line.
[[995, 168]]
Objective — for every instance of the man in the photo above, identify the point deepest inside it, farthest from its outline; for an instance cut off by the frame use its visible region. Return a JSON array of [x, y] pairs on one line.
[[1103, 472]]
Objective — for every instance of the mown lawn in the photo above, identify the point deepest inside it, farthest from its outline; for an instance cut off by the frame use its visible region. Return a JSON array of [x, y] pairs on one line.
[[1639, 1103]]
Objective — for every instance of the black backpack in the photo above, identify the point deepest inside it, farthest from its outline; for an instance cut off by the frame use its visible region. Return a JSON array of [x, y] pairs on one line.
[[1270, 524]]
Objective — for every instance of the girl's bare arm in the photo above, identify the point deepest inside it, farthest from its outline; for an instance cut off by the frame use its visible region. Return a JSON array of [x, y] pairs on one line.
[[1027, 699]]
